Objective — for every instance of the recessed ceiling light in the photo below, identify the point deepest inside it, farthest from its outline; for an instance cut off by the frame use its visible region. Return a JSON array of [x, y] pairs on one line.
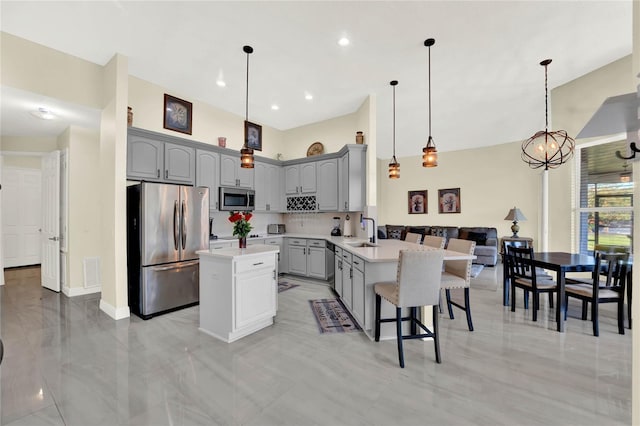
[[308, 96], [343, 41], [221, 83], [43, 114], [275, 107]]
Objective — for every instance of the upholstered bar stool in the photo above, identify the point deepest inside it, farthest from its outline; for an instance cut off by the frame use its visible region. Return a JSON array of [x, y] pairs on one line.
[[456, 279], [413, 238], [433, 241], [417, 284]]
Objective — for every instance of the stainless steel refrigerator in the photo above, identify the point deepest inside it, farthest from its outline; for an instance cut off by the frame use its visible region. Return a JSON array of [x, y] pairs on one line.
[[166, 225]]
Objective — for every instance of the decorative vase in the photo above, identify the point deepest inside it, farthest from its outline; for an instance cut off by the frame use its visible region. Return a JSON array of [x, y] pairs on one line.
[[242, 242], [359, 138], [222, 141]]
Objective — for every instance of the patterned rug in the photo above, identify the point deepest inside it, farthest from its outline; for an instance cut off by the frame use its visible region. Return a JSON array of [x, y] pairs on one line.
[[332, 316], [284, 286]]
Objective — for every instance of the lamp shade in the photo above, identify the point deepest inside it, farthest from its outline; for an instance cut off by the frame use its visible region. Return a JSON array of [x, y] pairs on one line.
[[515, 215]]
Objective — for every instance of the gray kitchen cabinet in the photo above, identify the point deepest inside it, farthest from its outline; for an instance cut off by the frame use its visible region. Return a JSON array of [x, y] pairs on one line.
[[231, 174], [158, 161], [358, 290], [208, 174], [337, 276], [308, 257], [277, 241], [300, 178], [352, 179], [347, 276], [297, 251], [327, 188], [268, 187], [316, 259]]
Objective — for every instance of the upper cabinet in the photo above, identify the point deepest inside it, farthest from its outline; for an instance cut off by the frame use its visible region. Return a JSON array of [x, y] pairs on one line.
[[268, 187], [300, 178], [158, 161], [231, 174], [208, 174], [327, 194], [352, 179]]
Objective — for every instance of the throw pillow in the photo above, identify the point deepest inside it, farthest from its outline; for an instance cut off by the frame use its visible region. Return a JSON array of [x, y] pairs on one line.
[[479, 237]]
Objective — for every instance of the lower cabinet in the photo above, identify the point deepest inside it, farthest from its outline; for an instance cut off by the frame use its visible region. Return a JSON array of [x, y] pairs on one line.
[[307, 257], [337, 276], [238, 293], [357, 290], [347, 275], [276, 242]]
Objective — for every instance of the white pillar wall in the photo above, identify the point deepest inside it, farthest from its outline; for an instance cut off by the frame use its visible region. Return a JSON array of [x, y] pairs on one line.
[[544, 213]]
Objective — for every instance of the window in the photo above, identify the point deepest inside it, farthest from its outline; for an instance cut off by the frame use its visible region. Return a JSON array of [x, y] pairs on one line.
[[605, 197]]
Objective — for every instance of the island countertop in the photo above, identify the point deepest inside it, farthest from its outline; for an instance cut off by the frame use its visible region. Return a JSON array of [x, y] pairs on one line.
[[233, 252]]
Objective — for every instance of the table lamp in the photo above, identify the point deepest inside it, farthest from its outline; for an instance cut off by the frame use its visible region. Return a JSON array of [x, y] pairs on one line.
[[515, 215]]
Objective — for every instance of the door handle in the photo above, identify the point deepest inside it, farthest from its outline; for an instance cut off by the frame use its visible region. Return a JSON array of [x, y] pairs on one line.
[[175, 225], [54, 238], [183, 229], [158, 173]]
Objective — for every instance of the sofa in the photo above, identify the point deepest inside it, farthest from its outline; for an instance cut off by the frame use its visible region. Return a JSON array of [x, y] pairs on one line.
[[486, 238]]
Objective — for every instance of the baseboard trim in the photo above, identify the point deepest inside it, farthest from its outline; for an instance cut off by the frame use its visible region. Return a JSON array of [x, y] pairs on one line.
[[80, 291], [113, 312]]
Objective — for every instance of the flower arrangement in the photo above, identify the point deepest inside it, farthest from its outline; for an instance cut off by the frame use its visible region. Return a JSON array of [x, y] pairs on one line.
[[241, 225]]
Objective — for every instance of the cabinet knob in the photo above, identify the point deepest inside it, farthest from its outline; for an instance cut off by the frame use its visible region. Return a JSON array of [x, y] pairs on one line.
[[158, 173]]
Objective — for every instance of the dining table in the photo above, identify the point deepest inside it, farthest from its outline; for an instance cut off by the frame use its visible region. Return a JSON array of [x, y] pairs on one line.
[[560, 263]]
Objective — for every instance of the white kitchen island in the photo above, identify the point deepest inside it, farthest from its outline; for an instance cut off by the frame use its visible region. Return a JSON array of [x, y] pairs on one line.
[[238, 290]]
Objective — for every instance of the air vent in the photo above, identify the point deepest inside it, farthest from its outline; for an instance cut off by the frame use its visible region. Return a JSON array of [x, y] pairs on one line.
[[91, 269]]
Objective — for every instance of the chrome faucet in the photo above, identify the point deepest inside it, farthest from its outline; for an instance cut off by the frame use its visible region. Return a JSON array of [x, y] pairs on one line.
[[373, 236]]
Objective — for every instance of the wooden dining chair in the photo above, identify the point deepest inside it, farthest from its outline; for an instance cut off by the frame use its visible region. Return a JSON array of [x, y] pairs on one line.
[[413, 238], [433, 241], [520, 268], [417, 284], [456, 279], [596, 293], [541, 274]]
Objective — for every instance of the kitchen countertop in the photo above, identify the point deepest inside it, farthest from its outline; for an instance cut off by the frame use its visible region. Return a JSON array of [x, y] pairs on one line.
[[382, 251], [233, 252]]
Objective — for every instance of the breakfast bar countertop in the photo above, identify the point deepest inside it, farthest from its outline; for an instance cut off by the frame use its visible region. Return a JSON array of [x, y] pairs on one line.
[[233, 252]]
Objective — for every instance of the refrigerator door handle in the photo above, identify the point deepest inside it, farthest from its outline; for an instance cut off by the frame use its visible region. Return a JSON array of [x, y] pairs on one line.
[[183, 229], [175, 224]]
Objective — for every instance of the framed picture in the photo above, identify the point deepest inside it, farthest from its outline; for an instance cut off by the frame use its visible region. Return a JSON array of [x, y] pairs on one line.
[[417, 202], [177, 114], [449, 200], [253, 135]]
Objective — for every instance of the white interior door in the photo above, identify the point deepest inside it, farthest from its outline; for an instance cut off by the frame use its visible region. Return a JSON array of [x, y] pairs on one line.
[[22, 218], [50, 269]]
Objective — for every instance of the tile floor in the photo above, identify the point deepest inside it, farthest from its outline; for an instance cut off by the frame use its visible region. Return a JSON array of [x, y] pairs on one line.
[[67, 363]]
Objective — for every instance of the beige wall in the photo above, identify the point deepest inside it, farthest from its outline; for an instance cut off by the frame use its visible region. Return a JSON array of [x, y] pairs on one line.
[[84, 203], [490, 184], [333, 133], [147, 99], [39, 69]]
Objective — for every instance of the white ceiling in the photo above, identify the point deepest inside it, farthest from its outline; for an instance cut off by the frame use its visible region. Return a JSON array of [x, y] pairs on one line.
[[487, 84]]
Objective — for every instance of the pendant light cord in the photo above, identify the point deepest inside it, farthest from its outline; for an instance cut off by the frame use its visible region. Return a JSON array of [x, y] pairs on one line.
[[429, 82], [546, 101], [394, 122], [246, 102]]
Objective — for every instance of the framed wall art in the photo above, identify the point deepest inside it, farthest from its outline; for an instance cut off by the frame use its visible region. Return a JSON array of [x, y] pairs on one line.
[[417, 202], [253, 135], [449, 200], [177, 114]]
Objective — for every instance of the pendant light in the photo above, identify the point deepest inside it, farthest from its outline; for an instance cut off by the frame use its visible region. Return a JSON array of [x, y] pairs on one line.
[[547, 149], [246, 153], [394, 166], [429, 152]]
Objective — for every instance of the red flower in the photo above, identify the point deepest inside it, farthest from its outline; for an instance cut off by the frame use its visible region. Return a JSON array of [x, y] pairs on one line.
[[248, 216], [234, 217]]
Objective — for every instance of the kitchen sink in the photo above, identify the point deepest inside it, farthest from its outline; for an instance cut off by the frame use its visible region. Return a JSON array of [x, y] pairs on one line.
[[362, 244]]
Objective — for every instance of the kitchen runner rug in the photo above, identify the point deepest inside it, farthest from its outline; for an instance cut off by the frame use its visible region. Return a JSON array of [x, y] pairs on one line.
[[285, 285], [332, 316]]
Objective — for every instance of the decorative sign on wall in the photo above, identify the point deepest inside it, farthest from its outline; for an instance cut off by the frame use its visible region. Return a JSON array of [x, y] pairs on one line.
[[417, 202], [449, 200], [177, 114]]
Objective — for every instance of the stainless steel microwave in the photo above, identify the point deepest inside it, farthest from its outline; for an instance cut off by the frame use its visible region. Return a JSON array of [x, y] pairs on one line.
[[237, 199]]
